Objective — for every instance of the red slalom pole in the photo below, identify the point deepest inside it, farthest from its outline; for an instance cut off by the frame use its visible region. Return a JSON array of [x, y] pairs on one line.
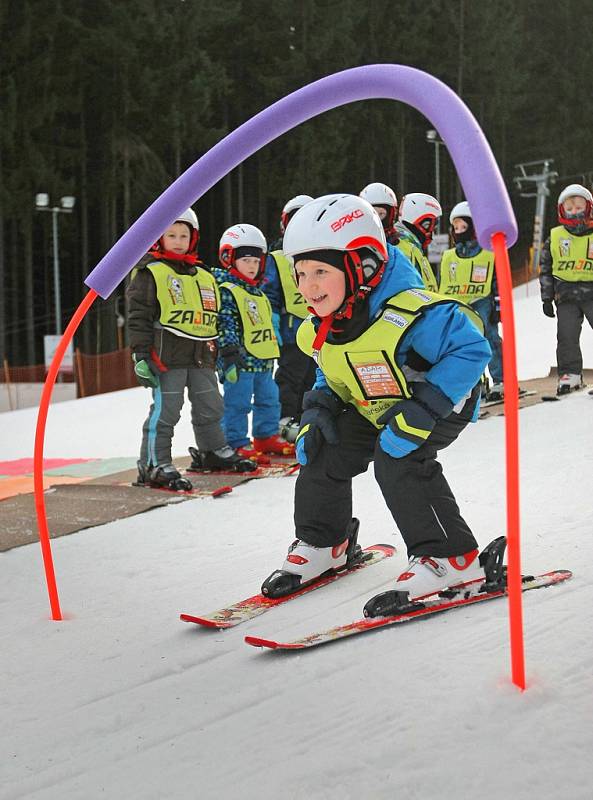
[[511, 417], [48, 386]]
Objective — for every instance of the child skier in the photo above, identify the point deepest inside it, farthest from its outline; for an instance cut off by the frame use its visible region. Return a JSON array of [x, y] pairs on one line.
[[467, 273], [398, 380], [566, 279], [248, 345], [383, 200], [296, 371], [173, 315], [418, 216]]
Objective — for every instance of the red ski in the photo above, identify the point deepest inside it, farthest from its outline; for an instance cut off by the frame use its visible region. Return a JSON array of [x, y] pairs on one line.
[[258, 604], [436, 605]]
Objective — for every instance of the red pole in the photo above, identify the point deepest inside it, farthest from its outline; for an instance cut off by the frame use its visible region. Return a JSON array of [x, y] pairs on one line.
[[38, 453], [511, 416]]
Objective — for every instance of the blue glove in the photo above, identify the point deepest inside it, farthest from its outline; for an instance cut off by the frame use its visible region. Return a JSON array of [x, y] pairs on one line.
[[232, 362], [276, 324], [145, 371], [409, 423], [318, 424]]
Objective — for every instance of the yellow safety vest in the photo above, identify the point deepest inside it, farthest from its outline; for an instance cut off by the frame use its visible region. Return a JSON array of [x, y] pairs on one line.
[[189, 303], [419, 260], [259, 338], [572, 256], [294, 301], [468, 279], [365, 372]]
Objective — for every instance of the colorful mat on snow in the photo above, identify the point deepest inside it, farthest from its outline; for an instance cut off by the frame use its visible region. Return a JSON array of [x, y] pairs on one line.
[[16, 476]]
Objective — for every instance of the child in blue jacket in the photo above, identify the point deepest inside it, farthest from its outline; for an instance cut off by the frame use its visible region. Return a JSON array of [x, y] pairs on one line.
[[247, 345]]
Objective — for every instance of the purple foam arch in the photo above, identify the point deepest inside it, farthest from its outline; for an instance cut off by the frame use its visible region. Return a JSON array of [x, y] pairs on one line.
[[475, 164]]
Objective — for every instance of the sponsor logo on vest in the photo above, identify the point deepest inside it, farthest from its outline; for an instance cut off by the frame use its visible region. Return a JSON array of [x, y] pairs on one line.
[[564, 247], [175, 289], [262, 336], [252, 312], [191, 317], [466, 289], [421, 295], [479, 273], [395, 319], [580, 265], [346, 219]]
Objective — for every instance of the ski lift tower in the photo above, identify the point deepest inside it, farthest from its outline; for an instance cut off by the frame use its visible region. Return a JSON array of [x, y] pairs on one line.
[[536, 174]]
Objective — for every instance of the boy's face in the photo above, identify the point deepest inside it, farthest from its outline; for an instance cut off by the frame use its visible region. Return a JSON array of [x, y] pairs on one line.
[[248, 266], [322, 286], [381, 212], [177, 238], [459, 225], [575, 204]]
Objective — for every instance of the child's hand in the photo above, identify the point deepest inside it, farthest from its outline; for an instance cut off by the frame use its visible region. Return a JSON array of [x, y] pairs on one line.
[[144, 374], [318, 424], [232, 362], [548, 308], [409, 423]]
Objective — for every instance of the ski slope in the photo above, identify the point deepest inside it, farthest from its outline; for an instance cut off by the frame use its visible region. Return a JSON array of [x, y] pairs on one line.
[[121, 700]]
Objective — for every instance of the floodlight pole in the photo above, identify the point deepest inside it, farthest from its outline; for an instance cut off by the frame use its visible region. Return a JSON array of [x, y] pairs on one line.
[[540, 174]]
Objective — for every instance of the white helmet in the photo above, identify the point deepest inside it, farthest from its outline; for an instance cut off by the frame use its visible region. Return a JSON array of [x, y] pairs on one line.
[[344, 224], [240, 241], [190, 218], [420, 212], [460, 210], [379, 194], [574, 220], [291, 206], [335, 222]]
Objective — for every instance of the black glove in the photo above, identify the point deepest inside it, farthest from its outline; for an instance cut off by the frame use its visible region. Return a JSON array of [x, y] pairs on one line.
[[318, 423], [232, 362], [147, 374], [548, 308], [409, 423], [495, 313]]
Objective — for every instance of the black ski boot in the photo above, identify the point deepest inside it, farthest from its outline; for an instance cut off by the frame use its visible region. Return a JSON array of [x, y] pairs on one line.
[[167, 476], [283, 582], [225, 459], [495, 394]]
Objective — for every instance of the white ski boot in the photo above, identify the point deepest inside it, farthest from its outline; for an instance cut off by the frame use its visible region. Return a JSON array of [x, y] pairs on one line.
[[568, 383], [305, 564], [427, 576]]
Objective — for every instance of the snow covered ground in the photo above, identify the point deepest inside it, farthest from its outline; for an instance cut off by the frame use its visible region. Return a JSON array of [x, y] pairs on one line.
[[121, 700]]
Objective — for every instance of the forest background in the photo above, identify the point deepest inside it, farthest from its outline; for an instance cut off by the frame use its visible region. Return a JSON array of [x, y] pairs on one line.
[[110, 100]]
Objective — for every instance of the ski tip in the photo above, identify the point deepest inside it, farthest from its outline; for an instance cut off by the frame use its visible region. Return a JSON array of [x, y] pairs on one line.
[[221, 491], [255, 641], [203, 621]]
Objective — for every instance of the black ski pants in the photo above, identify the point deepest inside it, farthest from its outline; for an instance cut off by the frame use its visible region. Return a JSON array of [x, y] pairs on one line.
[[570, 315], [414, 487], [295, 376]]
